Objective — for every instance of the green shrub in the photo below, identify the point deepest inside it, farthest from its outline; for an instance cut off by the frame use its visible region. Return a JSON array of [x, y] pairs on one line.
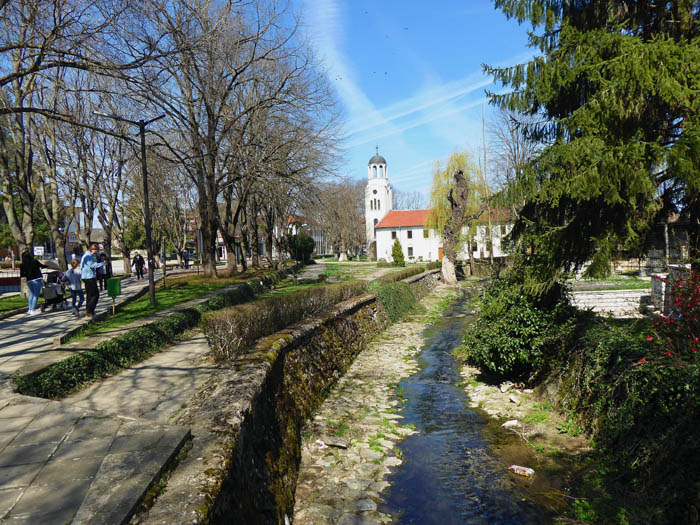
[[232, 331], [397, 253], [401, 275], [435, 265], [381, 263], [642, 408], [397, 299], [301, 246], [514, 338]]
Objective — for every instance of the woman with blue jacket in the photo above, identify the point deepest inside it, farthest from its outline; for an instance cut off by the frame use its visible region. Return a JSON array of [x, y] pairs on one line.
[[88, 273]]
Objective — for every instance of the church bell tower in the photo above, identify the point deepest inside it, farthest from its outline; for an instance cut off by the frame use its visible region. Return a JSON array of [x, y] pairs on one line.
[[378, 195]]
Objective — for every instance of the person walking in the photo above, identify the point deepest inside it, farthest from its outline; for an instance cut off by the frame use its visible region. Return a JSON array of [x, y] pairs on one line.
[[88, 273], [138, 263], [31, 269], [73, 276]]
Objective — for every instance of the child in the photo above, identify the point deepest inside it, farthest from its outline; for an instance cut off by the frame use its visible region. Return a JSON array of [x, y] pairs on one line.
[[76, 287]]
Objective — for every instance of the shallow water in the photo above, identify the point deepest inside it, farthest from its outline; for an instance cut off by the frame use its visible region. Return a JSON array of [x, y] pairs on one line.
[[450, 473]]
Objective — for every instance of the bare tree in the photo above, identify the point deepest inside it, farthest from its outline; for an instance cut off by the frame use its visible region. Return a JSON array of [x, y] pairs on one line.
[[408, 200], [341, 211], [511, 147]]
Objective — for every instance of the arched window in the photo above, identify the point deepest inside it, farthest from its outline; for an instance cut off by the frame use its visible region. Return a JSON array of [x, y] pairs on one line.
[[379, 206], [371, 205], [374, 172]]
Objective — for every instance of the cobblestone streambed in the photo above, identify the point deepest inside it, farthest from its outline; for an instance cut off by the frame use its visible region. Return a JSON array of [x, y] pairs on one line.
[[450, 472], [396, 441]]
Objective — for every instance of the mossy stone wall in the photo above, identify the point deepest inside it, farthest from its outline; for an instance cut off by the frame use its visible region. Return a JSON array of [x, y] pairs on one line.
[[306, 361]]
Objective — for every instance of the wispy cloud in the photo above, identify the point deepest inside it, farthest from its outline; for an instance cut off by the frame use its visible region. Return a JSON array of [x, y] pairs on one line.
[[324, 25], [418, 121], [434, 97]]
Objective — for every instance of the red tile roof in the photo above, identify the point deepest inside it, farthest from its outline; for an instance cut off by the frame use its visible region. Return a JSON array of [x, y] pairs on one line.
[[401, 218]]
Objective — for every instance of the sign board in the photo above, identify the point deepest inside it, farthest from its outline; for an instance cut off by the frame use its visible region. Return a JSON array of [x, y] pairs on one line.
[[38, 250]]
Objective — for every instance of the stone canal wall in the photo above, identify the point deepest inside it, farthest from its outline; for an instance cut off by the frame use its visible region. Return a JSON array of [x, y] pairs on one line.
[[246, 451]]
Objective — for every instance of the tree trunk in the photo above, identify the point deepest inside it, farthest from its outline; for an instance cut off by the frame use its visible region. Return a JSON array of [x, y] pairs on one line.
[[240, 248], [59, 241], [457, 197], [343, 252], [449, 275], [471, 259], [208, 228]]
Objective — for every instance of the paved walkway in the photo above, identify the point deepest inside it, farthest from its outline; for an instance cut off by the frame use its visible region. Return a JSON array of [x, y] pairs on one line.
[[92, 456], [74, 460], [60, 462], [24, 338], [156, 389]]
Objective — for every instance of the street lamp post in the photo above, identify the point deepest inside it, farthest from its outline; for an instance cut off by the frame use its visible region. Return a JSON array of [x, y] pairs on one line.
[[147, 211]]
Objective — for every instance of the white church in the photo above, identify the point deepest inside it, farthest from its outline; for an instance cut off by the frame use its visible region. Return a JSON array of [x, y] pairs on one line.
[[384, 224]]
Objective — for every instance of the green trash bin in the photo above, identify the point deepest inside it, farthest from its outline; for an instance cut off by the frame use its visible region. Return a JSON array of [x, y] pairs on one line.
[[114, 286]]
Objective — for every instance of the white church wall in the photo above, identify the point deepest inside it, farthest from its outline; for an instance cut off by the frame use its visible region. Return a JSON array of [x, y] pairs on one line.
[[422, 249]]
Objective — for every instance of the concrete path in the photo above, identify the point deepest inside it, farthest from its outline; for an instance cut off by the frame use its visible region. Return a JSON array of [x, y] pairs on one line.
[[58, 353], [24, 338], [155, 389], [63, 461], [380, 271], [66, 464], [311, 272]]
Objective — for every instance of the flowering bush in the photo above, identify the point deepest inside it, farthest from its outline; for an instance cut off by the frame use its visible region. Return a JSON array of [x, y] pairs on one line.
[[677, 333]]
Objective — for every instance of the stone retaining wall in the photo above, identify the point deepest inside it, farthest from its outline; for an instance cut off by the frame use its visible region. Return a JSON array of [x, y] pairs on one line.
[[616, 302], [255, 414]]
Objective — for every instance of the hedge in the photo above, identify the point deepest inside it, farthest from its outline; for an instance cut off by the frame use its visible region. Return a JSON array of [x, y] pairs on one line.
[[230, 332], [400, 276], [70, 375]]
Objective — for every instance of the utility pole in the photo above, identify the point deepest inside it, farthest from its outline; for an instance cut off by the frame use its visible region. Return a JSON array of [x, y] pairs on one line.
[[147, 211], [486, 187]]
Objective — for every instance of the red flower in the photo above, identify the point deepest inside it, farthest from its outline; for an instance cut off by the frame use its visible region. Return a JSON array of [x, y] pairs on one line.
[[667, 354], [650, 338], [693, 349], [642, 360]]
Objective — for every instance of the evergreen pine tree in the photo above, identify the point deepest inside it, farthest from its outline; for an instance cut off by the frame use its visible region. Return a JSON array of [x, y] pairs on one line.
[[615, 85], [397, 253]]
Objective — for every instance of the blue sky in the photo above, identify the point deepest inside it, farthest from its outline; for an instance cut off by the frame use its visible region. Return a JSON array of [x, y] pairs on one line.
[[408, 75]]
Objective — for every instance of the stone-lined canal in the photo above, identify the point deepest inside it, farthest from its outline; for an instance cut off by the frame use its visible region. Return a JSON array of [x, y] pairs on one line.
[[413, 453]]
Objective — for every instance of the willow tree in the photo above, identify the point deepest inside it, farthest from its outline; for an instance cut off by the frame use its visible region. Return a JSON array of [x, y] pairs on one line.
[[615, 85], [456, 198]]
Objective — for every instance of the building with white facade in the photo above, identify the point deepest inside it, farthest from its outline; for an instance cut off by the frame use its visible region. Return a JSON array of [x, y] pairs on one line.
[[419, 243]]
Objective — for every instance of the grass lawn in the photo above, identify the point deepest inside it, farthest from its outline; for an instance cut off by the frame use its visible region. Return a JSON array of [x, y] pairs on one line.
[[614, 282], [286, 286], [346, 271], [179, 290], [14, 302]]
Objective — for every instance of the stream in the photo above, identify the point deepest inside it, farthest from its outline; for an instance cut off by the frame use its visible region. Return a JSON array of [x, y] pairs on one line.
[[450, 474]]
